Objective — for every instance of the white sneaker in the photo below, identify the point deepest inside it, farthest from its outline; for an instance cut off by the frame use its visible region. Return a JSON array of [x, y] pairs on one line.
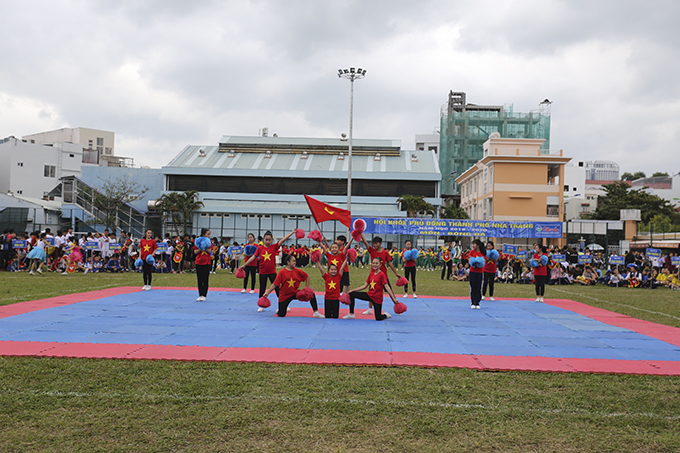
[[472, 306], [243, 291], [405, 296], [31, 273], [200, 299], [86, 271], [349, 315], [414, 296], [287, 309], [64, 273], [262, 309], [482, 297], [477, 307], [491, 298], [538, 299], [148, 287], [144, 288], [40, 271], [318, 315], [387, 314], [541, 300], [368, 312], [252, 291]]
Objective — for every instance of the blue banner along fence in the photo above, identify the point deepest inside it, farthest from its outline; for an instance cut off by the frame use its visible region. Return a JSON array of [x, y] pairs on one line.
[[453, 227]]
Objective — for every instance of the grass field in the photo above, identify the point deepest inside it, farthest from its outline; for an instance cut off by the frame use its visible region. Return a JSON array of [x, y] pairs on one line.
[[147, 406]]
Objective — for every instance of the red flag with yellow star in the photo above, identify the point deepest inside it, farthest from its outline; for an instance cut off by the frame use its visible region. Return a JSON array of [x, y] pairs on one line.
[[323, 212]]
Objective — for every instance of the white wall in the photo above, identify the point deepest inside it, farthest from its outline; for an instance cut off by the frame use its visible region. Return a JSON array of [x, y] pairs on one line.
[[79, 135], [575, 178], [24, 164]]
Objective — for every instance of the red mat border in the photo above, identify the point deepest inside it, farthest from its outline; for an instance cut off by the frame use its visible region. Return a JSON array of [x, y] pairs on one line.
[[342, 357]]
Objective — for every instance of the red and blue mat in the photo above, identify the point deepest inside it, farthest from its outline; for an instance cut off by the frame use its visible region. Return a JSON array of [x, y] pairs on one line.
[[508, 334]]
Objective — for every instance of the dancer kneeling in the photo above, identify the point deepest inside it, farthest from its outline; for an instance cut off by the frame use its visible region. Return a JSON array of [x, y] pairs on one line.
[[288, 282], [376, 282]]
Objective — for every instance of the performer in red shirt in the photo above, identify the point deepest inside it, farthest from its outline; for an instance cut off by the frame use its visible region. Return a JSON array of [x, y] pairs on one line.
[[147, 247], [376, 283], [539, 263], [477, 262], [203, 254], [377, 251], [333, 279], [490, 269], [287, 284], [409, 270], [267, 254]]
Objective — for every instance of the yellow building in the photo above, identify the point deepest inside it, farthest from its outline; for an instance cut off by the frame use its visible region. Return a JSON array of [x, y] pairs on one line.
[[515, 180]]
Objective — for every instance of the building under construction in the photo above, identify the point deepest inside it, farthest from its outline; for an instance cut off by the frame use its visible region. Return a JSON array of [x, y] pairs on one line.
[[465, 127]]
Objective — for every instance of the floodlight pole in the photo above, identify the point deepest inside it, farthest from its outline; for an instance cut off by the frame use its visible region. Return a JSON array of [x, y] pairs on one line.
[[350, 74]]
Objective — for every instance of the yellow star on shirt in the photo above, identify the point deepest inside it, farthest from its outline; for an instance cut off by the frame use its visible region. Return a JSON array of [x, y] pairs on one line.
[[147, 248], [291, 283], [267, 256], [372, 284], [331, 285], [334, 262]]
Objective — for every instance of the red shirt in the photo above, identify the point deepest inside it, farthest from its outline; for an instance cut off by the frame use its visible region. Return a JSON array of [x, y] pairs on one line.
[[202, 256], [490, 266], [384, 258], [147, 247], [476, 270], [408, 263], [332, 286], [289, 282], [376, 285], [540, 270], [267, 256], [337, 260]]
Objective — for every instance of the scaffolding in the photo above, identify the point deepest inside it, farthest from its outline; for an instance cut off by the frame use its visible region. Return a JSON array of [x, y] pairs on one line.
[[465, 127]]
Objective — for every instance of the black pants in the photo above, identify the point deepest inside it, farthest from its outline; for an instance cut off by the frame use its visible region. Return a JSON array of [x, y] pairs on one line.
[[214, 264], [250, 271], [489, 278], [265, 281], [410, 273], [283, 304], [446, 268], [147, 273], [377, 308], [233, 264], [540, 284], [475, 287], [202, 275], [331, 308]]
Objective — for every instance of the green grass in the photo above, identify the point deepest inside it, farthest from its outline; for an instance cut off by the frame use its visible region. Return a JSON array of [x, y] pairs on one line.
[[49, 404]]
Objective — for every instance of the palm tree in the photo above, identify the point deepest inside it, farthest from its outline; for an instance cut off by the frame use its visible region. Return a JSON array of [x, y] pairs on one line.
[[414, 205], [179, 207]]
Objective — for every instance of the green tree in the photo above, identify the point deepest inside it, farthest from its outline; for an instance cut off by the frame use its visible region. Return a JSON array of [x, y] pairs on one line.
[[619, 196], [414, 205], [178, 206], [658, 224], [659, 173], [116, 194], [453, 212], [633, 176]]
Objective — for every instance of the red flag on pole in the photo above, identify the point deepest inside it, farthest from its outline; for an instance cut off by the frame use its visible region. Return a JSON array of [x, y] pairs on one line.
[[323, 212]]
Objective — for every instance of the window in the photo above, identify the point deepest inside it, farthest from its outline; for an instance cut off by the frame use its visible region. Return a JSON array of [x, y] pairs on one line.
[[50, 171], [20, 164], [100, 141], [71, 155], [566, 188], [20, 192]]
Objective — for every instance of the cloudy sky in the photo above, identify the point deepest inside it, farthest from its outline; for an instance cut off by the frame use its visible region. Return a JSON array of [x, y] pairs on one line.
[[162, 74]]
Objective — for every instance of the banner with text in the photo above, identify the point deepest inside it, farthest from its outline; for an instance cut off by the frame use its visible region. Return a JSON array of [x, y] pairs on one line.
[[454, 227]]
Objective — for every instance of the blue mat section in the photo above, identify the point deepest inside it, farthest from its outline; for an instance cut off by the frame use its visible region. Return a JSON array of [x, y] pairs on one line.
[[230, 319]]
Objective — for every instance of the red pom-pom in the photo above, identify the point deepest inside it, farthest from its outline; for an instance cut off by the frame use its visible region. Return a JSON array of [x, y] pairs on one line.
[[352, 255], [305, 294], [300, 233], [360, 225], [315, 256], [264, 302], [315, 236], [240, 273], [401, 281], [356, 235], [400, 308], [344, 298]]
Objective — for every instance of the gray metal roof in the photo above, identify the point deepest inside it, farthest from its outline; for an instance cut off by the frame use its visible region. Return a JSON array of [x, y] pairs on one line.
[[191, 161], [308, 141]]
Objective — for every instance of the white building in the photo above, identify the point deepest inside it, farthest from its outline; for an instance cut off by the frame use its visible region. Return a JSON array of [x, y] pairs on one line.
[[583, 183], [427, 142], [32, 170], [666, 187], [102, 141]]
